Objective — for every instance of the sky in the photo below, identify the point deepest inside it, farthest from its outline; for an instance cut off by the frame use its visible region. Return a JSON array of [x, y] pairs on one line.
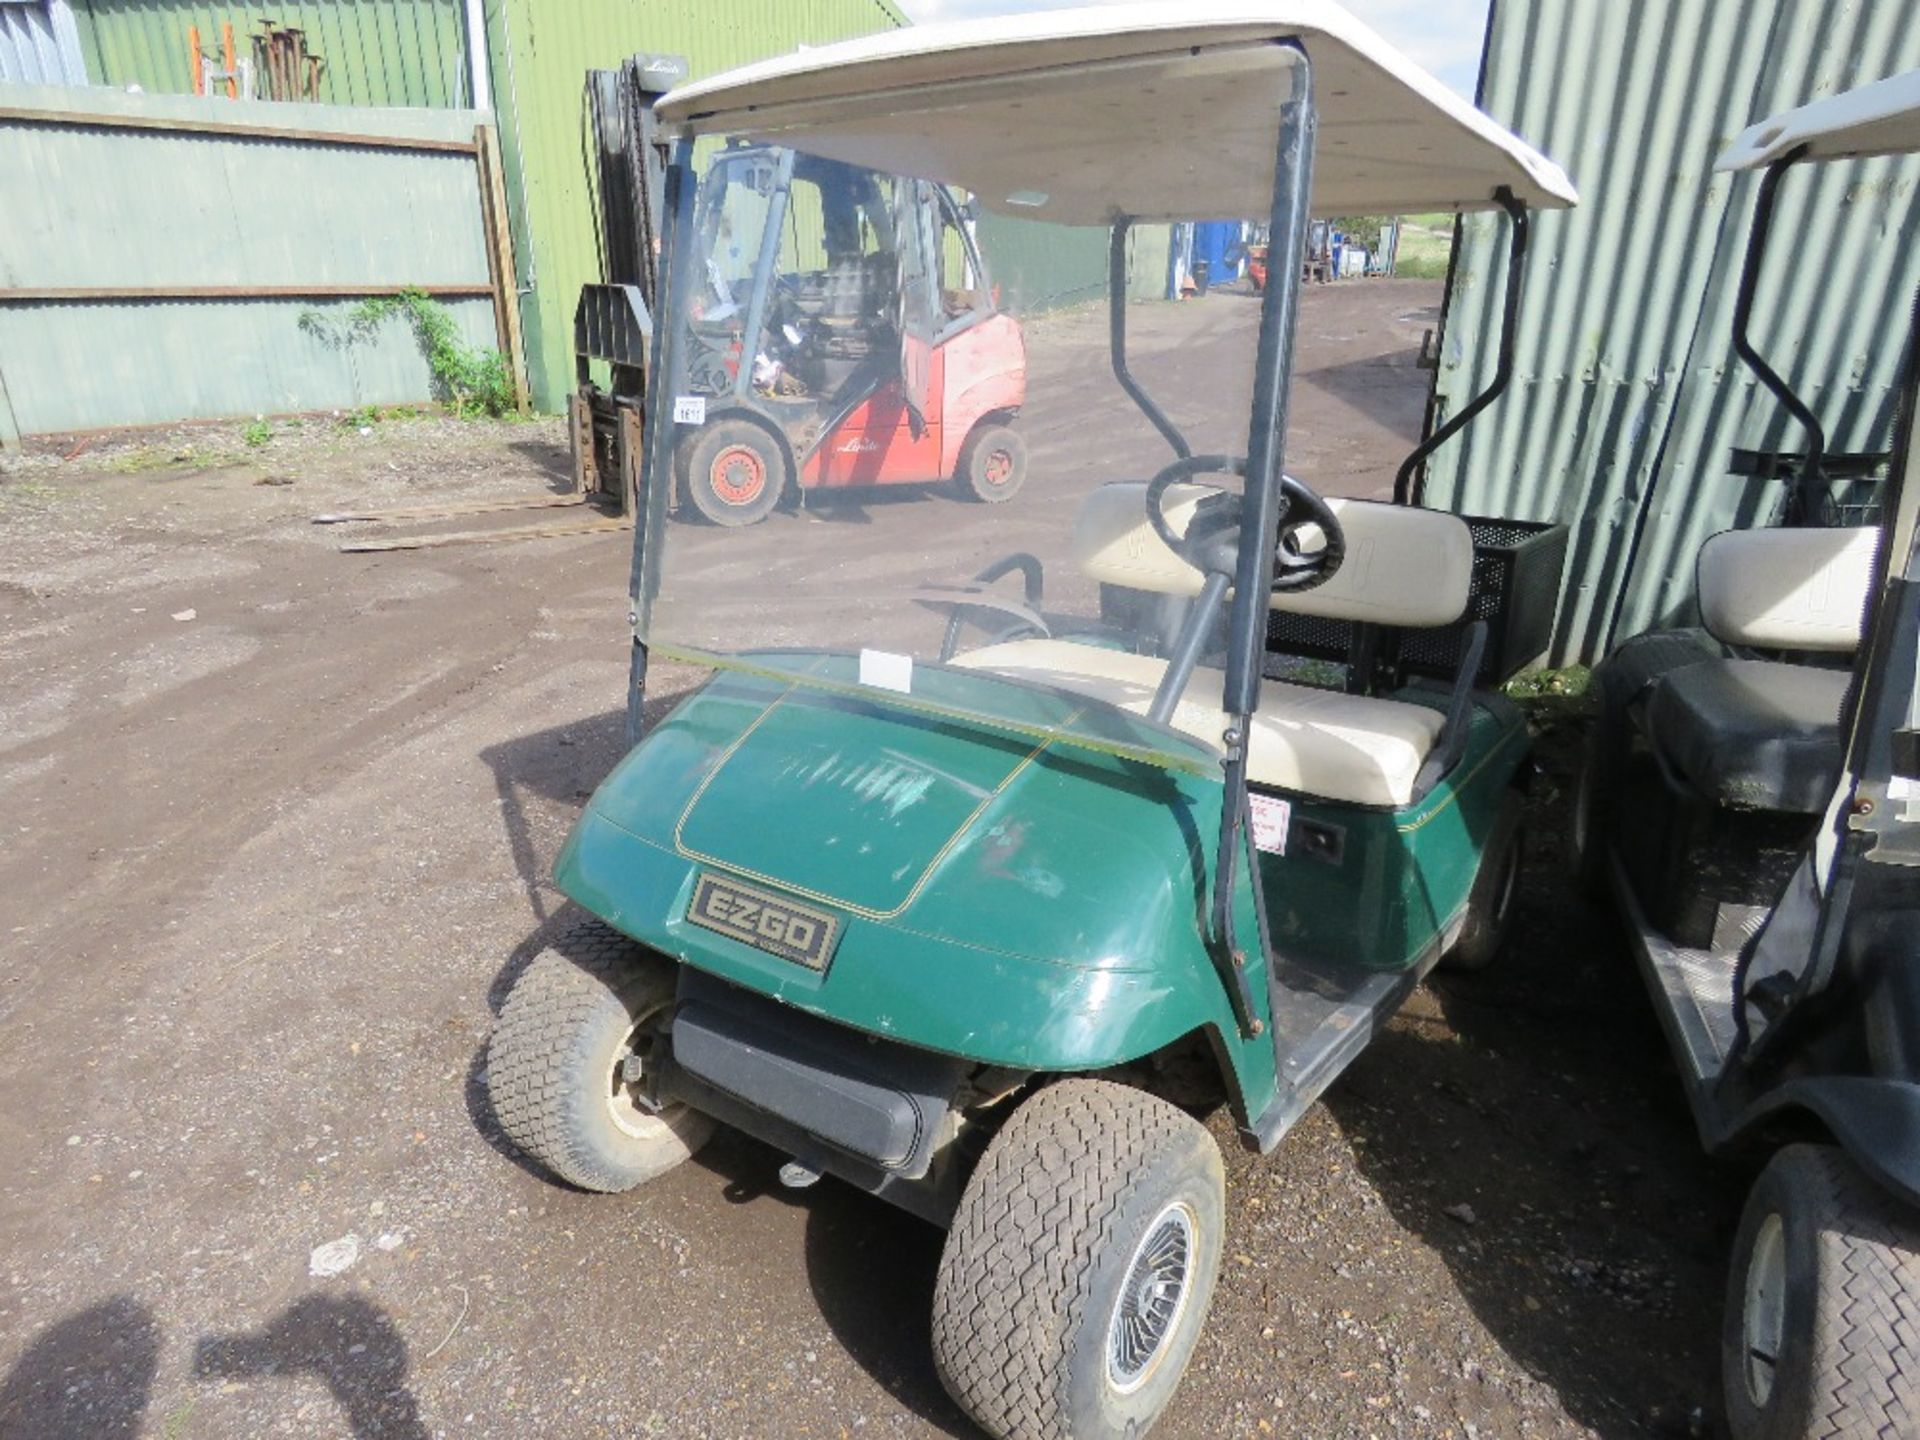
[[1442, 35]]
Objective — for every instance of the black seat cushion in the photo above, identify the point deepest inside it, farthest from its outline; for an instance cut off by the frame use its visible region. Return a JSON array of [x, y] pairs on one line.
[[1751, 734]]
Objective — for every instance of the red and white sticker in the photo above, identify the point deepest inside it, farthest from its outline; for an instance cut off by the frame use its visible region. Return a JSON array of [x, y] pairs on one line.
[[1271, 818]]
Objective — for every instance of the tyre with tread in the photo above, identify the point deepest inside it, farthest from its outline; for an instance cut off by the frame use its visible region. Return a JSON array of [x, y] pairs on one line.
[[557, 1061], [993, 463], [1496, 884], [733, 471], [1821, 1339], [1080, 1265]]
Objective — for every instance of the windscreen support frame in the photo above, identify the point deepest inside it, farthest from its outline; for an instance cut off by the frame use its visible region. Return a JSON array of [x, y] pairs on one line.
[[1261, 511]]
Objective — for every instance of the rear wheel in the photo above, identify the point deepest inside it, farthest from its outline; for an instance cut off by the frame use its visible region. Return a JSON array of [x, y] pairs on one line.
[[1489, 920], [564, 1064], [1590, 827], [734, 473], [1821, 1339], [1080, 1265], [993, 464]]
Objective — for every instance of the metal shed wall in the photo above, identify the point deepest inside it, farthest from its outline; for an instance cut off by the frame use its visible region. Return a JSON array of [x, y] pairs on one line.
[[39, 44], [1626, 396], [1040, 266], [540, 55], [378, 52], [257, 249]]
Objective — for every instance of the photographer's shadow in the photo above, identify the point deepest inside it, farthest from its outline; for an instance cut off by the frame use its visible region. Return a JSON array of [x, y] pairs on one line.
[[347, 1342]]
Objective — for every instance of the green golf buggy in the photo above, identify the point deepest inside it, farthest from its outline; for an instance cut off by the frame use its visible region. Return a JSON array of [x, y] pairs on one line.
[[981, 832], [1747, 803]]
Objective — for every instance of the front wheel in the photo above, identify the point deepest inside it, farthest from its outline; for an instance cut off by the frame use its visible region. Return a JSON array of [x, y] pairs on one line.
[[993, 465], [565, 1064], [1080, 1265], [1821, 1339], [734, 473]]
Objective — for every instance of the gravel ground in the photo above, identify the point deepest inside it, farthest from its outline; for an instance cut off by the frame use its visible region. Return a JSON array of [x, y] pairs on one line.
[[277, 825]]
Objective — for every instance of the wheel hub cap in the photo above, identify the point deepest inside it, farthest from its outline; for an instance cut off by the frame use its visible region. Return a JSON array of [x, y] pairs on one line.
[[1152, 1298], [738, 475], [1763, 1320], [629, 1116]]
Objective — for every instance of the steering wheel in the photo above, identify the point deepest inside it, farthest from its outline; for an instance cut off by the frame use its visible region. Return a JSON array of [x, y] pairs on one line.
[[1212, 541]]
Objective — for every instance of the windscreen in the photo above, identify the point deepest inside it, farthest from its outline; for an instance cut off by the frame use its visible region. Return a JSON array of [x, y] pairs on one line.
[[901, 463]]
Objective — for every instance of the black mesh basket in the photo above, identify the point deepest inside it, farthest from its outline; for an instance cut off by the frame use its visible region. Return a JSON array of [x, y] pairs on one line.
[[1515, 587]]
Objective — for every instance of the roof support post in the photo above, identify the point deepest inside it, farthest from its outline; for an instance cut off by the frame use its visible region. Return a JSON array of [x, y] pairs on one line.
[[1404, 492], [1260, 517], [1117, 339], [1808, 480], [666, 370]]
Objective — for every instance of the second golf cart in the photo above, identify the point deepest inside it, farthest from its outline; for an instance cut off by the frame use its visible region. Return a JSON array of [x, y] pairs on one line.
[[1748, 802], [981, 831]]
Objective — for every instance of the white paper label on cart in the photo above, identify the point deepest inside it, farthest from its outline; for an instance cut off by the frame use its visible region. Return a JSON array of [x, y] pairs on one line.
[[689, 409], [1271, 818], [884, 670]]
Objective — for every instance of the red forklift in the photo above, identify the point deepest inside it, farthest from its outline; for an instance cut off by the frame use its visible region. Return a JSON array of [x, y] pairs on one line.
[[878, 352]]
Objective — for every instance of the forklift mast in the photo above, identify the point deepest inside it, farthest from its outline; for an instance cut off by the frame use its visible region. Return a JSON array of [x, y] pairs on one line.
[[613, 321]]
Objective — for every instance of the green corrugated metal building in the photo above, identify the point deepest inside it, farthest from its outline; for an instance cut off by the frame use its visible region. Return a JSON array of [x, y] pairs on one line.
[[541, 53], [414, 52], [1627, 396]]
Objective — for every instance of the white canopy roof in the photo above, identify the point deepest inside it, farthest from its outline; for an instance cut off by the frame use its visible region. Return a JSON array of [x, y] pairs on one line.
[[1878, 119], [1159, 111]]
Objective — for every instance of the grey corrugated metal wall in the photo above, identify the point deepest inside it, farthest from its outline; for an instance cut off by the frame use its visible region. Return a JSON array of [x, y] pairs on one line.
[[1626, 394], [169, 210], [39, 44]]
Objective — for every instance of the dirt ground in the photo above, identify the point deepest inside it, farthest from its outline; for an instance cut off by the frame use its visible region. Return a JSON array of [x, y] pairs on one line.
[[277, 824]]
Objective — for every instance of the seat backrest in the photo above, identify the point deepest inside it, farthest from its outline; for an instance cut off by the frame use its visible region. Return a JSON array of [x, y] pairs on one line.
[[1404, 565], [1787, 589]]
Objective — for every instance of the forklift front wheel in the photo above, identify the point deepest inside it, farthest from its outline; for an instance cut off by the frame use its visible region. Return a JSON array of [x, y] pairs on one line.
[[994, 463], [1823, 1305], [735, 473], [1080, 1265], [566, 1064]]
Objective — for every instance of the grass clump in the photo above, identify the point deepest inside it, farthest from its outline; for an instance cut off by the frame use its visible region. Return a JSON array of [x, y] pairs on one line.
[[473, 381]]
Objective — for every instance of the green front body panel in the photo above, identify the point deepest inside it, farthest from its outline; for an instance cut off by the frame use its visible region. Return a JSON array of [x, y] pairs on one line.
[[1402, 875], [1036, 904]]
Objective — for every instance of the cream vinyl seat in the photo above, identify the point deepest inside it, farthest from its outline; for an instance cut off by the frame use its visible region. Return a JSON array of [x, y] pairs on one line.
[[1404, 567]]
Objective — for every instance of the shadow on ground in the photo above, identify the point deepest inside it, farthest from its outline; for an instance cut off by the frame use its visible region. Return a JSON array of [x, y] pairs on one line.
[[552, 458], [1539, 1095], [871, 1269], [346, 1341], [88, 1377]]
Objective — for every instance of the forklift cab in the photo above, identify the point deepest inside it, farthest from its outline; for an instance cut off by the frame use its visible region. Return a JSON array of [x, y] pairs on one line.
[[841, 332], [1748, 803]]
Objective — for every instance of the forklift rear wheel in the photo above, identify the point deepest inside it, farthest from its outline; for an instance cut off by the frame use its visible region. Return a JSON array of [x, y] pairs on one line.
[[565, 1066], [1489, 920], [994, 463], [1080, 1265], [735, 473], [1823, 1306]]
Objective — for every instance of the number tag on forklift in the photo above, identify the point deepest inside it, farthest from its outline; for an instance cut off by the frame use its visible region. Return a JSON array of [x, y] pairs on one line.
[[1271, 819], [689, 409]]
